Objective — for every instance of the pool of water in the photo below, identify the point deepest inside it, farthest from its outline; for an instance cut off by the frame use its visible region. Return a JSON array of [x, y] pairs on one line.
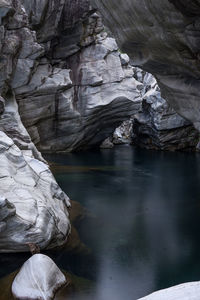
[[143, 223], [145, 230]]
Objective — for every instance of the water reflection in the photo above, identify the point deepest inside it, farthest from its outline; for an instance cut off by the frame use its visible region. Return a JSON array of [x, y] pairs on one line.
[[144, 223], [147, 208]]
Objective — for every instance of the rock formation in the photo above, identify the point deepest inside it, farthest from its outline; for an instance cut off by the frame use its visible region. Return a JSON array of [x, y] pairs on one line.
[[63, 86], [157, 125], [33, 209], [163, 38], [39, 278], [185, 291], [72, 86]]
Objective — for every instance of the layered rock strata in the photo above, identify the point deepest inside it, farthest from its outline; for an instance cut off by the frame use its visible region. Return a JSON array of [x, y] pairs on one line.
[[163, 38], [33, 209], [157, 125], [72, 86], [63, 86]]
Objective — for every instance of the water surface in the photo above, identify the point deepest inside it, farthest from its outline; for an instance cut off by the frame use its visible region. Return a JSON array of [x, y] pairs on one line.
[[144, 229]]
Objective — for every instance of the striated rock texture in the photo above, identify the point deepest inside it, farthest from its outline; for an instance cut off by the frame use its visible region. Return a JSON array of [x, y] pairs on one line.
[[124, 133], [157, 125], [163, 38], [185, 291], [70, 82], [39, 278], [33, 209], [63, 86]]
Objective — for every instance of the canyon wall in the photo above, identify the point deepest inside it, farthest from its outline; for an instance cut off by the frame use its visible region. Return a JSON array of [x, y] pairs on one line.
[[64, 85], [163, 38], [69, 80]]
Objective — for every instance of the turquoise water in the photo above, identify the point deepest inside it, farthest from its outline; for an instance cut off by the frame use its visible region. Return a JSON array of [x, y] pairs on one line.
[[145, 219]]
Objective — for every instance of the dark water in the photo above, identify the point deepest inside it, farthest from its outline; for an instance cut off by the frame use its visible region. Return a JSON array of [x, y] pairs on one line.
[[144, 227], [145, 232]]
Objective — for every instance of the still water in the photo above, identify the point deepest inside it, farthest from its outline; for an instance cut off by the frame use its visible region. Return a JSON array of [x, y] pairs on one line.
[[142, 225], [144, 228]]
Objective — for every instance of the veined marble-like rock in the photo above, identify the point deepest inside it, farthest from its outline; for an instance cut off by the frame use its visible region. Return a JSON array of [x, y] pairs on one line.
[[76, 98], [63, 86], [33, 207], [185, 291], [39, 278], [124, 133], [157, 125], [163, 38]]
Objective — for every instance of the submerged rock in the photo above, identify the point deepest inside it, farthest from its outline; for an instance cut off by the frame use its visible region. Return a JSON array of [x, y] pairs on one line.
[[39, 278], [185, 291]]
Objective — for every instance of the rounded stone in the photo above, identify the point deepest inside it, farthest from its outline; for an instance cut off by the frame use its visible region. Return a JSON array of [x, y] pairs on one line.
[[38, 279]]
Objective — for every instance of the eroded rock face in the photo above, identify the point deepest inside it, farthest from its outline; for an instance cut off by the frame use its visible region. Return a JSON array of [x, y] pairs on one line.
[[185, 291], [76, 109], [33, 209], [124, 133], [163, 38], [157, 125], [70, 82], [39, 278]]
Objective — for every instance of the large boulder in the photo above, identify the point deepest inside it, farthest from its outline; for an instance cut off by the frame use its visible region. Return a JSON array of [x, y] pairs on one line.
[[33, 207], [163, 38]]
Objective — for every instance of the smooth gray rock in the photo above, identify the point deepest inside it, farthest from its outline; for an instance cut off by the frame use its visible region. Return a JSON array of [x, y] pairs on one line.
[[2, 105], [38, 278], [157, 125], [78, 102], [33, 207], [64, 86], [107, 144], [163, 38], [124, 133], [185, 291]]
